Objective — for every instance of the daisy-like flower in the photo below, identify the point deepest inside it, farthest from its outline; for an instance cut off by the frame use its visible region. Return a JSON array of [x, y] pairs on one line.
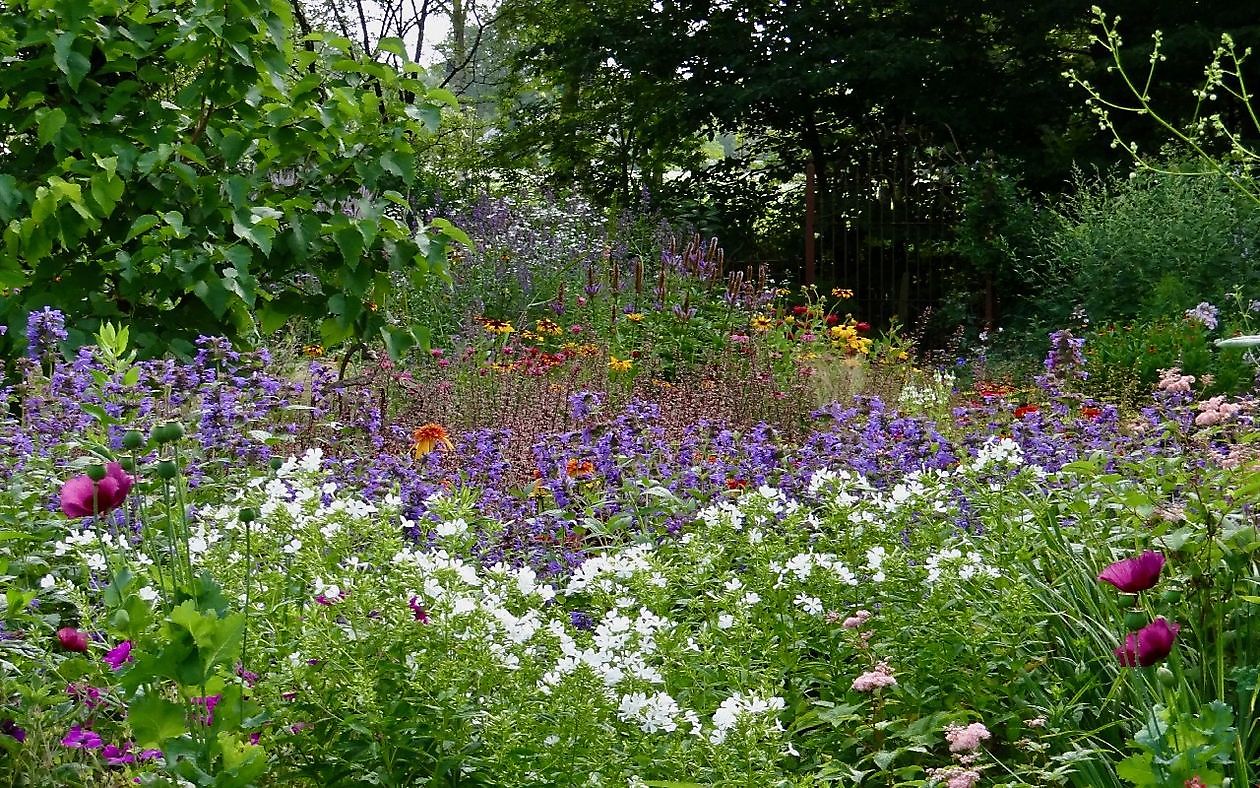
[[840, 292], [619, 364], [635, 317], [760, 323], [500, 327], [429, 437], [547, 328]]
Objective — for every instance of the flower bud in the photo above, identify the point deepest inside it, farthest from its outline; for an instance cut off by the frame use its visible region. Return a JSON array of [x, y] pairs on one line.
[[1172, 596], [72, 639], [127, 464], [1165, 676], [276, 463], [132, 439], [166, 469], [1135, 620], [248, 515], [96, 472]]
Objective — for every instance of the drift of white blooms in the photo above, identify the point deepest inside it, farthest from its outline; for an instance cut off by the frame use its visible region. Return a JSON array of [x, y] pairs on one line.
[[739, 706]]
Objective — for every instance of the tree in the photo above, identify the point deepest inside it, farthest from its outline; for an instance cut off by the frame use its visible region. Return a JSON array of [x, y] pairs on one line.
[[185, 168]]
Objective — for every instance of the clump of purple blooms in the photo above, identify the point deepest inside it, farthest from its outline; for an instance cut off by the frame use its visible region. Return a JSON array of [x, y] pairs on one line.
[[1205, 314], [45, 330]]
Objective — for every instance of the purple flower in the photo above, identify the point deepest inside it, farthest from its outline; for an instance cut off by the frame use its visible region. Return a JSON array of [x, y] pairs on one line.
[[79, 739], [209, 702], [11, 728], [418, 610], [72, 639], [117, 656], [44, 331], [81, 497], [1205, 314], [1134, 574], [1148, 645]]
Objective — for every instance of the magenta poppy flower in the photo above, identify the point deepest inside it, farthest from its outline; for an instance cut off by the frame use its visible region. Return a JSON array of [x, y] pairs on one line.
[[72, 639], [1148, 645], [77, 499], [1134, 574], [119, 655]]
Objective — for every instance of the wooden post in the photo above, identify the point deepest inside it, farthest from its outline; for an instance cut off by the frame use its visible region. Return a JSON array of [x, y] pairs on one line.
[[809, 222]]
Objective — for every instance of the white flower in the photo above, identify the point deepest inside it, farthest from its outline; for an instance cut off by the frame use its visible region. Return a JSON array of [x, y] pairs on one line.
[[725, 621], [810, 604], [47, 581], [148, 593]]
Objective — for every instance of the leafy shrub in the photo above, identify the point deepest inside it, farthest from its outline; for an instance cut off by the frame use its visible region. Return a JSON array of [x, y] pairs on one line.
[[1151, 245]]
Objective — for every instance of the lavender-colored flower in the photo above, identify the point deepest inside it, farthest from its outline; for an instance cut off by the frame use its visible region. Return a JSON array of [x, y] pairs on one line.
[[1204, 314], [45, 330], [1148, 645], [1133, 575]]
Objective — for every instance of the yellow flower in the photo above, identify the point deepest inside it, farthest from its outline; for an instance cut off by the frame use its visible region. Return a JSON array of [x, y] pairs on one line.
[[783, 292], [429, 437], [618, 364], [761, 323], [501, 327], [314, 351], [789, 320], [635, 317], [843, 333], [840, 292], [547, 327]]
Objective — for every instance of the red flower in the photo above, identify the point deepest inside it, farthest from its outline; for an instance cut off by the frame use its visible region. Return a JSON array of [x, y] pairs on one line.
[[833, 320], [1025, 410], [736, 484], [1148, 645], [1134, 574], [863, 327], [72, 639], [81, 497], [1090, 413], [800, 310]]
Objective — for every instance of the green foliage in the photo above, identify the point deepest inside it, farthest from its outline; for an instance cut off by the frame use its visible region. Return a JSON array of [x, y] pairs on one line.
[[1124, 360], [1153, 245], [189, 169]]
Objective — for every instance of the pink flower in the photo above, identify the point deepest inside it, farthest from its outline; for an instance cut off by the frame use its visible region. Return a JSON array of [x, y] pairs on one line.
[[955, 776], [72, 639], [966, 739], [857, 619], [880, 677], [118, 655], [1148, 645], [81, 497], [1134, 574]]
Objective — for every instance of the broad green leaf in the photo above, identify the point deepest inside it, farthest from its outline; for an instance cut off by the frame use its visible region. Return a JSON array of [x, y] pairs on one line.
[[142, 224], [71, 63], [50, 122], [154, 720]]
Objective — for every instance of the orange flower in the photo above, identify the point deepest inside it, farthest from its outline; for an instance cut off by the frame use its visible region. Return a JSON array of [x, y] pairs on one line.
[[429, 437], [576, 468]]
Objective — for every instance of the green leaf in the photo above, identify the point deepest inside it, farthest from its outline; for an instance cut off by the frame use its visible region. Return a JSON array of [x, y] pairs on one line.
[[350, 242], [154, 720], [10, 197], [71, 63], [142, 224], [107, 189], [394, 46], [50, 122], [397, 341]]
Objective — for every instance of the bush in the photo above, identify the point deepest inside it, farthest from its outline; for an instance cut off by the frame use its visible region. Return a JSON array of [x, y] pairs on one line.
[[1152, 245]]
